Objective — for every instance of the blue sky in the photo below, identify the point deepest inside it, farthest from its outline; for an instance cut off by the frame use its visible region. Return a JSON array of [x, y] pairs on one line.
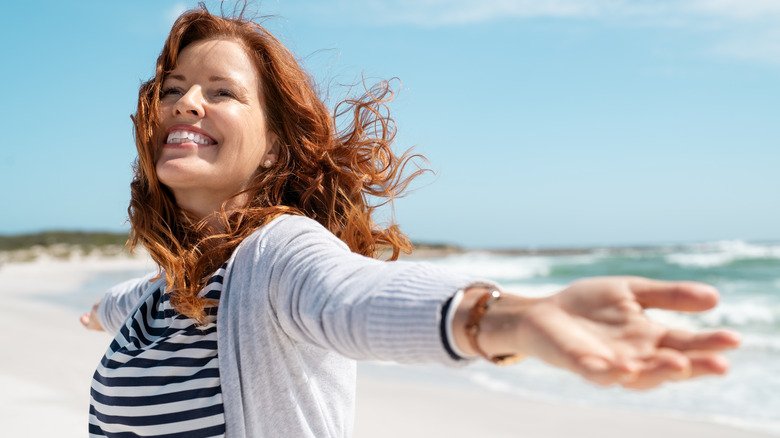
[[548, 123]]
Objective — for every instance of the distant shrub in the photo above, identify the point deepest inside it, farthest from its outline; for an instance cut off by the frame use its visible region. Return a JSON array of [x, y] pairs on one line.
[[50, 238]]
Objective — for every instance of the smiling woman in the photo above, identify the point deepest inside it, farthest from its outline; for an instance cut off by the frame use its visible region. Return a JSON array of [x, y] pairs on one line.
[[206, 160], [260, 217], [275, 152]]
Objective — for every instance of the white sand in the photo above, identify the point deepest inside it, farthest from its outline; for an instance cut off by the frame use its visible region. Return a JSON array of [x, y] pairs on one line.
[[47, 356], [48, 360], [397, 409]]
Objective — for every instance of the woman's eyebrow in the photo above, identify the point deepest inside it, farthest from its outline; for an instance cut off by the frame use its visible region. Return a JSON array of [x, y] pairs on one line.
[[214, 78], [217, 78], [177, 77]]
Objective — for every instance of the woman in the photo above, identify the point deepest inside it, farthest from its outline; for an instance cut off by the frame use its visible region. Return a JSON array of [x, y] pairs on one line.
[[257, 212]]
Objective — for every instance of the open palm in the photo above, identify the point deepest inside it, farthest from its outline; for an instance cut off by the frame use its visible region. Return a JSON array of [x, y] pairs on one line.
[[597, 328]]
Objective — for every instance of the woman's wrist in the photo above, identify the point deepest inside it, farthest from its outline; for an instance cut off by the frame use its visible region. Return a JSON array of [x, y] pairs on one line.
[[492, 323]]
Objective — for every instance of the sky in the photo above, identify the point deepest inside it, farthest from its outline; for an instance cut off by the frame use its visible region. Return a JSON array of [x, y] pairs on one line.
[[547, 123]]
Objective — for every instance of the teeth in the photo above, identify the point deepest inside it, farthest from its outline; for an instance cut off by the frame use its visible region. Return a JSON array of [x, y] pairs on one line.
[[187, 136]]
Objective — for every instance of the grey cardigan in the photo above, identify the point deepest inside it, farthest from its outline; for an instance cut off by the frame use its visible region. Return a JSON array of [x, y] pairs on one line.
[[296, 310]]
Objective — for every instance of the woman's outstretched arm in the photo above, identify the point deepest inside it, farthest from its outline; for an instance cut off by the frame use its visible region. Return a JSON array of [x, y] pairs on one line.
[[109, 313], [91, 320], [597, 328]]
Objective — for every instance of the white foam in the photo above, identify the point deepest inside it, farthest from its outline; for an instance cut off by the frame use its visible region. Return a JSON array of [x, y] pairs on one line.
[[582, 259], [748, 312], [766, 343], [497, 267], [721, 253], [700, 260]]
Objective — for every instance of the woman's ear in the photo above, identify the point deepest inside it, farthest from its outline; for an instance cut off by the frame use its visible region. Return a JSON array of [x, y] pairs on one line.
[[272, 154]]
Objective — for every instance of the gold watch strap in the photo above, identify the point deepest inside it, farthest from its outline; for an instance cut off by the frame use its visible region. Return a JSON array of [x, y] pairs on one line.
[[472, 328]]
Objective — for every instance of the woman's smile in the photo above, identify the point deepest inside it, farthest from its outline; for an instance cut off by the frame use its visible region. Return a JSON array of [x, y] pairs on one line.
[[180, 136]]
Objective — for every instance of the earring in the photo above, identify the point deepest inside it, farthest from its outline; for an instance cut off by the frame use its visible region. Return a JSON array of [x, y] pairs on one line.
[[267, 163]]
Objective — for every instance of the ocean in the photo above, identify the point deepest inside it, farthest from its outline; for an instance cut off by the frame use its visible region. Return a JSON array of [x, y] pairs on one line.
[[748, 277], [746, 273]]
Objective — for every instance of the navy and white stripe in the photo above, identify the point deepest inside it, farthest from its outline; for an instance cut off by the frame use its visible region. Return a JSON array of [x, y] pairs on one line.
[[160, 375]]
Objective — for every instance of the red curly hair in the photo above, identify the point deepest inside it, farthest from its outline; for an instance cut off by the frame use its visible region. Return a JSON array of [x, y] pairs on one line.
[[321, 173]]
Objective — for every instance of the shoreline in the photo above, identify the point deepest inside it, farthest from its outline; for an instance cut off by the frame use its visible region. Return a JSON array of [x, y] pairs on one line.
[[35, 247], [51, 357], [387, 409]]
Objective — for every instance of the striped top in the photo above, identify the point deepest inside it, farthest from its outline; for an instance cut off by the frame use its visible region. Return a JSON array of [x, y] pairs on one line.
[[160, 375]]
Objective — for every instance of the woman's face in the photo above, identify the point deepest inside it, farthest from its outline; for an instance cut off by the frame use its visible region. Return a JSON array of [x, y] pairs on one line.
[[214, 135]]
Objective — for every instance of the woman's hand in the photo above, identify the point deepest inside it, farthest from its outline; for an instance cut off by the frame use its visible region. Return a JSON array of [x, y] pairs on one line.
[[597, 328], [90, 319]]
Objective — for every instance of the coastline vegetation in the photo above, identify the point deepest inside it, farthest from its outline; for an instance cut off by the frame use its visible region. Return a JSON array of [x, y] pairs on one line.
[[49, 238], [62, 245]]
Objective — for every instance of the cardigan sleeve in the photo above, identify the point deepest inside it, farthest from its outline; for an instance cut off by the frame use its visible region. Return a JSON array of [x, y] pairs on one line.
[[323, 294], [122, 299]]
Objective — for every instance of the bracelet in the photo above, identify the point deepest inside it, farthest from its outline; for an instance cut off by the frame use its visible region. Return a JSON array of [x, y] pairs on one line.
[[472, 329]]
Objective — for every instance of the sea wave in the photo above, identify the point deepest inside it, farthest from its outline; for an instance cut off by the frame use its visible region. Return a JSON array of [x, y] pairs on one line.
[[497, 267], [747, 313], [721, 253], [768, 344], [503, 267], [753, 316]]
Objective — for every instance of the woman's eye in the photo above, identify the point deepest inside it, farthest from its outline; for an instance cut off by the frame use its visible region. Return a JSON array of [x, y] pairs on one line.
[[226, 93], [170, 91]]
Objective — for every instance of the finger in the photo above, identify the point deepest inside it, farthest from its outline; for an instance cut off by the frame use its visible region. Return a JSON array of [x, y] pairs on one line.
[[679, 295], [705, 363], [684, 340], [666, 365], [85, 320]]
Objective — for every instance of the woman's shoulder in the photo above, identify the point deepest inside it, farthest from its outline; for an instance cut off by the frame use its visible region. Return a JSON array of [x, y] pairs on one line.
[[285, 230], [289, 227], [285, 241]]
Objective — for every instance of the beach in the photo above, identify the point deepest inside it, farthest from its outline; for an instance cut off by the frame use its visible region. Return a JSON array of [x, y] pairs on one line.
[[388, 409], [49, 358]]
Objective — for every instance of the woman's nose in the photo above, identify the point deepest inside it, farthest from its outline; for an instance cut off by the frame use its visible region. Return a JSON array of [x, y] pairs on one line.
[[191, 103]]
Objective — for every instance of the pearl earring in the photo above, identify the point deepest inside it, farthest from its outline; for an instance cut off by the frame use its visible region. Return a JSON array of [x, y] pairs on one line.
[[267, 164]]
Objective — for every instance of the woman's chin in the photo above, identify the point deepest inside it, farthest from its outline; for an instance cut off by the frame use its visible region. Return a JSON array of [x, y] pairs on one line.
[[182, 173]]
